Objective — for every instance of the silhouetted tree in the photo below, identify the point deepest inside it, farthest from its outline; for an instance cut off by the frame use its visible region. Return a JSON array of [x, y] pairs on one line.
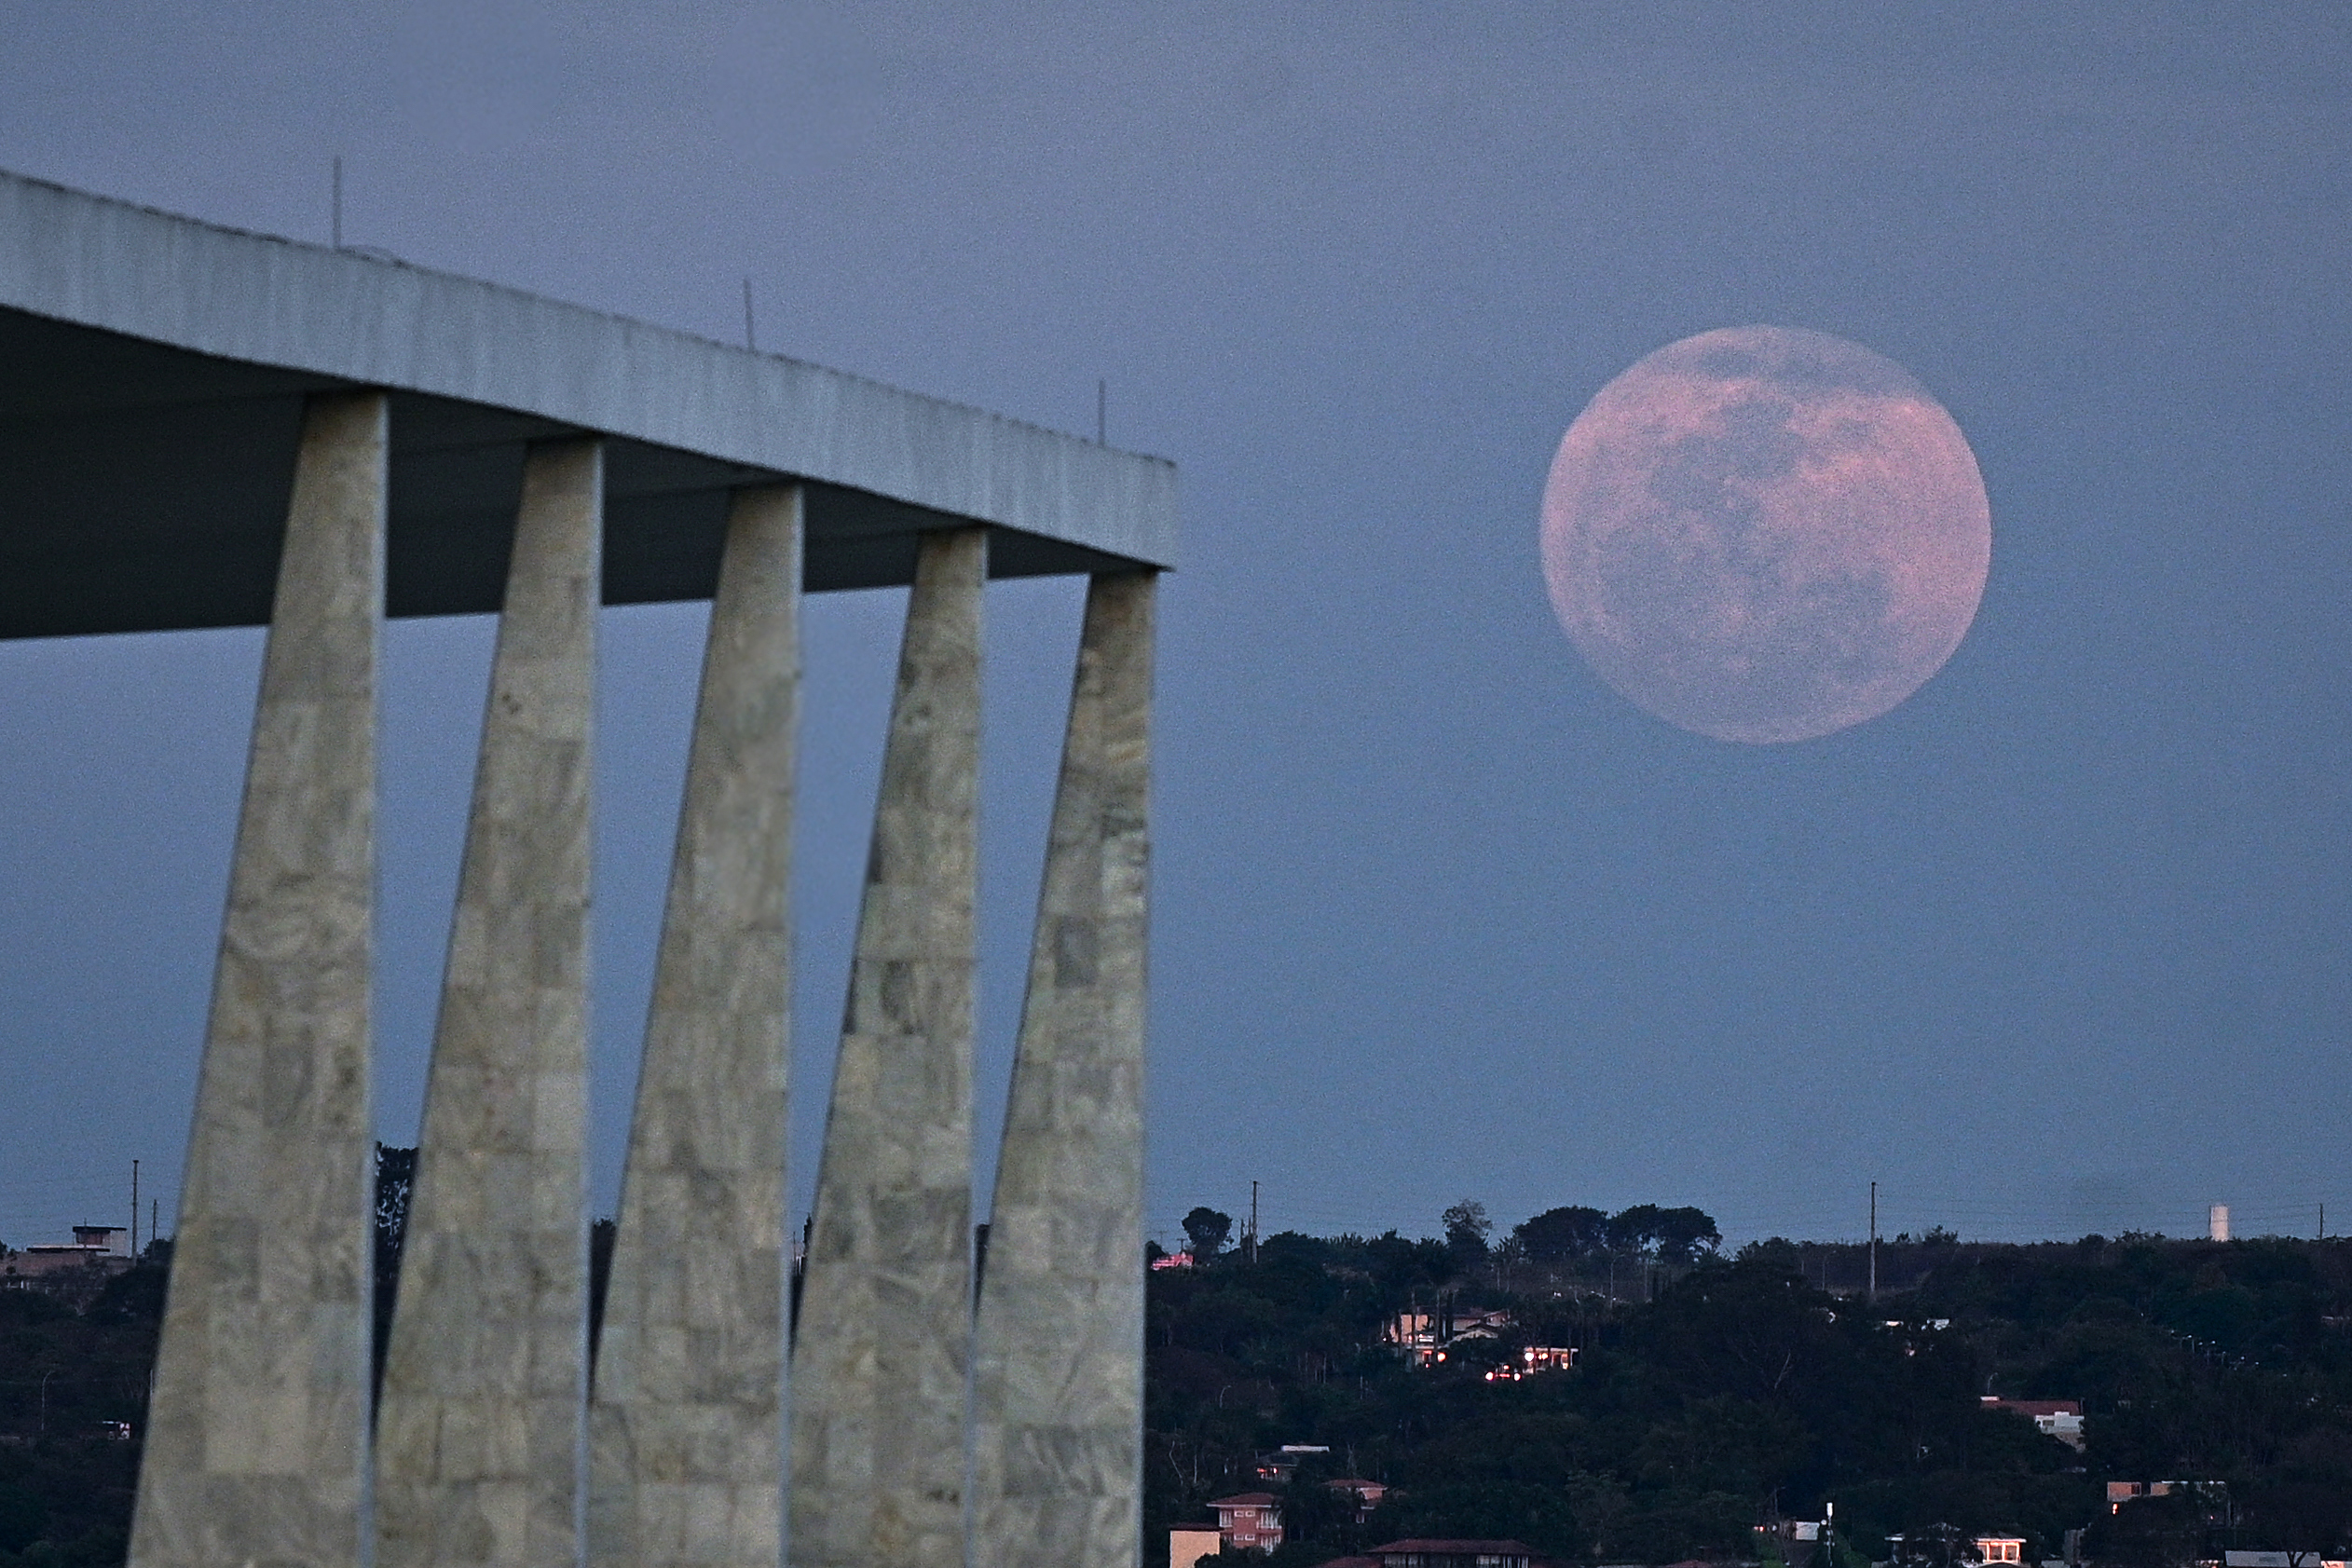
[[1205, 1232], [1564, 1235], [600, 1236], [2150, 1533], [1466, 1231], [1680, 1234], [395, 1183]]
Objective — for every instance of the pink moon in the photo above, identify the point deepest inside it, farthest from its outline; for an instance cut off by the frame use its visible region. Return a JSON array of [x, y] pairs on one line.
[[1763, 534]]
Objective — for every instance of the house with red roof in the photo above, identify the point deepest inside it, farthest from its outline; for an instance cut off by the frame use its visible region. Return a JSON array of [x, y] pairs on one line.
[[1251, 1520]]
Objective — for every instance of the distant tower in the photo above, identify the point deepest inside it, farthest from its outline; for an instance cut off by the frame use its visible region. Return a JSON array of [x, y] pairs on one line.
[[2217, 1223]]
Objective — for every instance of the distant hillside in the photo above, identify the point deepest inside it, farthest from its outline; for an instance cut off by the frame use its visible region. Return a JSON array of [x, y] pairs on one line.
[[65, 1376], [1744, 1393], [1740, 1394]]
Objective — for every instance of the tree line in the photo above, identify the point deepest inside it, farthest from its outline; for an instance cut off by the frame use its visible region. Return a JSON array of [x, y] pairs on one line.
[[1742, 1391], [1558, 1243], [1737, 1391]]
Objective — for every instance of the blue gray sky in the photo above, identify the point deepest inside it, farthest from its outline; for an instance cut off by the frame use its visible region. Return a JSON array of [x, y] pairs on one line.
[[2057, 945]]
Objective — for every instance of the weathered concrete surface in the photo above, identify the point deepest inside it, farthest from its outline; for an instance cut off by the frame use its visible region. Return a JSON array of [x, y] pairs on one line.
[[686, 1425], [481, 1429], [252, 304], [1058, 1378], [879, 1359], [256, 1433]]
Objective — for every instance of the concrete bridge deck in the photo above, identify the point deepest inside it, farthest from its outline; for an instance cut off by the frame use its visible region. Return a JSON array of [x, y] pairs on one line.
[[151, 375]]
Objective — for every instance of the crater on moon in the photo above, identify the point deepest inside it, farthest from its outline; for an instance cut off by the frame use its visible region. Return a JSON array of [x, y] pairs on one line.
[[1765, 534]]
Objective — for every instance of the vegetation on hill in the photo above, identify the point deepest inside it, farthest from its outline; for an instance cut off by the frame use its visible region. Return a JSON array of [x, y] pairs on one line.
[[65, 1478], [1714, 1394], [1711, 1394]]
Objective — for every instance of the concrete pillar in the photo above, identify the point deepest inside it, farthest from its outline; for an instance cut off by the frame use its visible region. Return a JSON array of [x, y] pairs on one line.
[[1058, 1376], [686, 1426], [257, 1431], [481, 1428], [881, 1356]]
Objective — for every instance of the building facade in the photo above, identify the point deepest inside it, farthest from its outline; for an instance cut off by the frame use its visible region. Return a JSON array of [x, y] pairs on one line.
[[1250, 1520]]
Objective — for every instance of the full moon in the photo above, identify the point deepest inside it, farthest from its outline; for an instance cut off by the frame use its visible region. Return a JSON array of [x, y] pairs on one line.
[[1764, 534]]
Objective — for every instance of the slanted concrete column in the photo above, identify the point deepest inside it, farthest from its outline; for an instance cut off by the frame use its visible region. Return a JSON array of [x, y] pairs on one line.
[[480, 1431], [686, 1426], [256, 1433], [881, 1356], [1058, 1379]]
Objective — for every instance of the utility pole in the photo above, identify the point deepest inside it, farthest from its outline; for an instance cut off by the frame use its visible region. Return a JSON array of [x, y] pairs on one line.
[[751, 337], [1102, 412], [1253, 1222], [1873, 1295], [334, 224], [134, 1209]]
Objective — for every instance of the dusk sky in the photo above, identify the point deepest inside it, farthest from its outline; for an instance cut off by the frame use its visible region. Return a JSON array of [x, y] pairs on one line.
[[2057, 945]]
